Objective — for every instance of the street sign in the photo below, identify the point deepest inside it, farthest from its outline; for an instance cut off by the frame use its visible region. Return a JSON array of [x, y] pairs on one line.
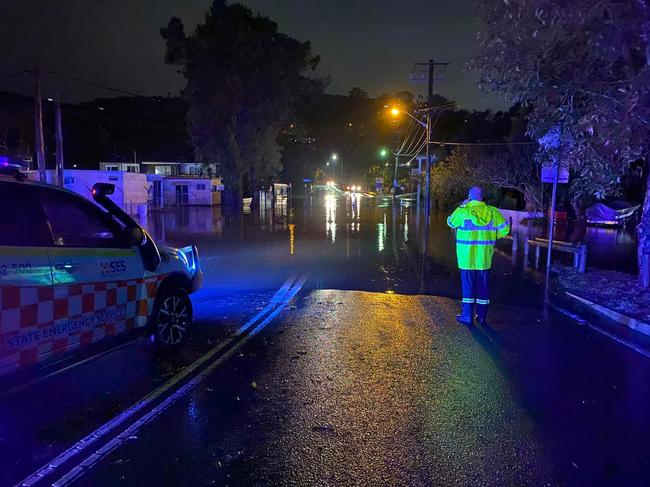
[[548, 174]]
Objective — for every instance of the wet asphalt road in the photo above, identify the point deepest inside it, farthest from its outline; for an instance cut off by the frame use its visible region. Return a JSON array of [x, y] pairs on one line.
[[360, 378]]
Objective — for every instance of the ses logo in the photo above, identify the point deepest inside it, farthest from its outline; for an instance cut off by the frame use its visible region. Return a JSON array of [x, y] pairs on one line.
[[113, 267]]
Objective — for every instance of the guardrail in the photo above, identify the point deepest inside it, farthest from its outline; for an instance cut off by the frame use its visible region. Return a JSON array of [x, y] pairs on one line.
[[579, 250]]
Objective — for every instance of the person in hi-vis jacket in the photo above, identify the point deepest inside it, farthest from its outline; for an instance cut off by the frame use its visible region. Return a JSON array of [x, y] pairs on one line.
[[478, 226]]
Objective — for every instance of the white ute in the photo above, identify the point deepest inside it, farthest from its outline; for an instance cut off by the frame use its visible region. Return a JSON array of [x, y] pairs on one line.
[[73, 272]]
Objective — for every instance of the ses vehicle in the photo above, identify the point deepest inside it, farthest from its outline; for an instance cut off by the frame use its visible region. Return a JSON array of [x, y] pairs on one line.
[[73, 272]]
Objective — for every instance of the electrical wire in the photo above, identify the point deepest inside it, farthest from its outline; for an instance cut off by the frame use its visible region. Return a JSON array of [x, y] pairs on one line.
[[414, 143], [482, 143], [415, 156], [13, 75], [419, 149], [96, 85], [412, 125]]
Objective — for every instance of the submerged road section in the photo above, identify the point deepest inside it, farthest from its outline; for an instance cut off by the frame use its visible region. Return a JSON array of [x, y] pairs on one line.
[[326, 352]]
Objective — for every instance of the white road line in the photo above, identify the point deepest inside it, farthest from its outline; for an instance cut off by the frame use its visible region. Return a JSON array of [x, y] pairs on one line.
[[100, 432], [90, 461]]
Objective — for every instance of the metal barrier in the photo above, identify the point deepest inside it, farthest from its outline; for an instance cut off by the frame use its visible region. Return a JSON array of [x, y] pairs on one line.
[[579, 250]]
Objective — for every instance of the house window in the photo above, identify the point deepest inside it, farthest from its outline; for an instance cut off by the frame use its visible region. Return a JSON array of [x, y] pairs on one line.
[[68, 180], [112, 167], [132, 168], [113, 178], [200, 186], [163, 170]]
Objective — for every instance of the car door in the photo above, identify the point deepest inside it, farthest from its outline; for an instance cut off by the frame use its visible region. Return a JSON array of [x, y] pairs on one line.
[[98, 278], [26, 295]]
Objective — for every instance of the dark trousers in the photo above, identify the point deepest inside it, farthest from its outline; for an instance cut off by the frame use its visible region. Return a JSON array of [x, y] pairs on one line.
[[476, 290]]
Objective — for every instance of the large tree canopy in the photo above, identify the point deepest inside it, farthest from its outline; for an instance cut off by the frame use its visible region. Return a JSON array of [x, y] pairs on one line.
[[583, 66], [244, 79]]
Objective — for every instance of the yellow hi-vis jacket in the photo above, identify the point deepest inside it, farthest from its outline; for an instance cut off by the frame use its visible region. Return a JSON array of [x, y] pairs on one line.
[[478, 226]]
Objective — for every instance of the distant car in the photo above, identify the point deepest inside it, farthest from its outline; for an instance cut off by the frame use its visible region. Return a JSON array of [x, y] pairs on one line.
[[73, 272]]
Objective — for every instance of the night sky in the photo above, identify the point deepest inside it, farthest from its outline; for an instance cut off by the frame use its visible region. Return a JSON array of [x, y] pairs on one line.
[[371, 44]]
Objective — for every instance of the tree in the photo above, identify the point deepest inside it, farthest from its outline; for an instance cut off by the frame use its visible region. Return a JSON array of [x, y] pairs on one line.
[[496, 167], [350, 126], [244, 79], [357, 92], [583, 66]]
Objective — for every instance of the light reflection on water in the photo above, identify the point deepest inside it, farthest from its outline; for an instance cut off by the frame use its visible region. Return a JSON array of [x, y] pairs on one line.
[[361, 234], [330, 216]]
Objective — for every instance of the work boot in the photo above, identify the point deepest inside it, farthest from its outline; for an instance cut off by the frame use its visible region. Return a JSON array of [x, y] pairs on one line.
[[465, 317]]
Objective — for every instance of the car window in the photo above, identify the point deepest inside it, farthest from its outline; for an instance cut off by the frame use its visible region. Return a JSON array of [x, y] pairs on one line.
[[21, 220], [76, 222]]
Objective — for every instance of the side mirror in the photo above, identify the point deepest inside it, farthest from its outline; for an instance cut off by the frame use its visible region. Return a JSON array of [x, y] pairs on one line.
[[102, 189], [136, 236]]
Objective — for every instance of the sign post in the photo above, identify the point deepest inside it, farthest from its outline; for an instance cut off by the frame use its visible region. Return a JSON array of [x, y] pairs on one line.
[[556, 175]]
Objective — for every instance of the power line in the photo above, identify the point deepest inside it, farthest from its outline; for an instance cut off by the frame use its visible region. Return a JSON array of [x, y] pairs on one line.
[[416, 154], [482, 143], [13, 75], [96, 85]]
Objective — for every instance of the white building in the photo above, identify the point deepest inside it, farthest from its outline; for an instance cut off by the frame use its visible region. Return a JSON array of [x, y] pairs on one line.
[[120, 166], [131, 189], [185, 190], [173, 182]]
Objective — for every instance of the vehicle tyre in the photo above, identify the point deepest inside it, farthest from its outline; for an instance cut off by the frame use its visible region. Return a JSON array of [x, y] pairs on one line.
[[171, 318]]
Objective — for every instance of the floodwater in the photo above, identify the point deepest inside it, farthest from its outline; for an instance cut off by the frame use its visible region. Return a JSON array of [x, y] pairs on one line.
[[358, 243]]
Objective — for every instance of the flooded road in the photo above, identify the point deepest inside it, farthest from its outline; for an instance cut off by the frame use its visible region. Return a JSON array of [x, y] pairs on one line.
[[345, 242], [325, 352]]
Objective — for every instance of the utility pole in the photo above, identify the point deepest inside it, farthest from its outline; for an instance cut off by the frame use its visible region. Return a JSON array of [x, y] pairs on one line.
[[39, 141], [427, 179], [59, 141], [395, 176], [431, 67]]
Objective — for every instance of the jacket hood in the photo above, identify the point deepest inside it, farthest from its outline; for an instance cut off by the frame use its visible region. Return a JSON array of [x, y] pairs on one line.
[[479, 213]]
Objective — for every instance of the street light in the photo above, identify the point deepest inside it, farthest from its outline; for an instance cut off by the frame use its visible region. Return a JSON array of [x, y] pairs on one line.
[[396, 112], [334, 157]]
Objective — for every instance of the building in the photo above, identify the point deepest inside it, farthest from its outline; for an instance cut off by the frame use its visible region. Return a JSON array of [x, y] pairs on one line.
[[175, 182], [120, 166], [179, 169], [131, 189], [184, 190]]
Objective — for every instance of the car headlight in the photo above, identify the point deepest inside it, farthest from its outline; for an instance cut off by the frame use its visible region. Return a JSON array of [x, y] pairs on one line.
[[190, 257]]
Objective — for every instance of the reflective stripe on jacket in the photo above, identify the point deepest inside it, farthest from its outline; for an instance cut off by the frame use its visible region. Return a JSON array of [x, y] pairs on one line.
[[478, 226]]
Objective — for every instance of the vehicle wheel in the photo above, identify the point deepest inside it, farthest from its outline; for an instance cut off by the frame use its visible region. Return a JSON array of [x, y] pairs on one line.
[[172, 317]]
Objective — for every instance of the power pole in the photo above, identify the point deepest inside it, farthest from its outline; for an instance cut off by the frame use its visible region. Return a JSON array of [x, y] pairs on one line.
[[427, 179], [430, 83], [395, 176], [59, 141], [431, 68], [39, 140]]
